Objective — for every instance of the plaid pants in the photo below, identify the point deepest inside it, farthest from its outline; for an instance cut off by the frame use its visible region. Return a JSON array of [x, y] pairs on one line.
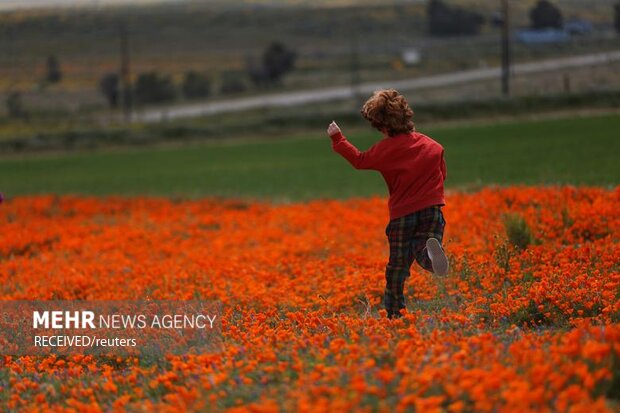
[[407, 236]]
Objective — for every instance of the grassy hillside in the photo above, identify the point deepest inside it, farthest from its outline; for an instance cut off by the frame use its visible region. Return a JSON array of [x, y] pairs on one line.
[[217, 37], [575, 151]]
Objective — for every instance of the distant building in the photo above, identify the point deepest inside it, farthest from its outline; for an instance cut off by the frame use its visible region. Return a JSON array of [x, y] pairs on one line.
[[545, 36], [579, 27]]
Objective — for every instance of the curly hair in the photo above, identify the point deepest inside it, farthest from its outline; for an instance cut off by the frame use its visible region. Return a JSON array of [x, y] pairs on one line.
[[388, 111]]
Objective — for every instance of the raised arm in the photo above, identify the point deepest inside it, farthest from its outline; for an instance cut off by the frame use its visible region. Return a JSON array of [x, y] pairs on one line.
[[357, 158]]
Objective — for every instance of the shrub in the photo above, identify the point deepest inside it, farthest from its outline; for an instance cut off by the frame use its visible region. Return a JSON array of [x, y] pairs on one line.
[[154, 88], [444, 20], [277, 61], [14, 105], [257, 73], [517, 230], [545, 15], [232, 82], [196, 85]]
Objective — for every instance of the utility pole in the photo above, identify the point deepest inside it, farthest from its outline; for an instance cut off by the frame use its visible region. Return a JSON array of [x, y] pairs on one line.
[[505, 48], [125, 72]]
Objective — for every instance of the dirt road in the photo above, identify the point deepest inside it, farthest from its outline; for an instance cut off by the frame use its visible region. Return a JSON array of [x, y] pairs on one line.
[[345, 92]]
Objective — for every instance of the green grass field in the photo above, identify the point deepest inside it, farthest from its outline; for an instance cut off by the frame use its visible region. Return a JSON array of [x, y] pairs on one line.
[[580, 151]]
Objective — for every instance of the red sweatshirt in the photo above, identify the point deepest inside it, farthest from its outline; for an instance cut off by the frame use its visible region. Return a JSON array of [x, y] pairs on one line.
[[412, 165]]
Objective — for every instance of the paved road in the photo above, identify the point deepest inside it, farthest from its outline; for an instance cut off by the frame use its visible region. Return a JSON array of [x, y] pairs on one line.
[[344, 92]]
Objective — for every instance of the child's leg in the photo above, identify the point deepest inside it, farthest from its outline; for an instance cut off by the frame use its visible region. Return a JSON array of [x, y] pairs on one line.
[[431, 224], [399, 233]]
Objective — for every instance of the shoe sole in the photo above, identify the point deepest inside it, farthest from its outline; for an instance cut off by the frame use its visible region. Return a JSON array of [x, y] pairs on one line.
[[438, 257]]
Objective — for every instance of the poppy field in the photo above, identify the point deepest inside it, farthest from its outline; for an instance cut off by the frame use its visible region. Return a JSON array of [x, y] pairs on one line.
[[527, 319]]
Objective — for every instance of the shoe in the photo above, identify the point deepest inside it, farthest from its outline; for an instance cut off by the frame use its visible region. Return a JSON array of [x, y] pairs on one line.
[[437, 256]]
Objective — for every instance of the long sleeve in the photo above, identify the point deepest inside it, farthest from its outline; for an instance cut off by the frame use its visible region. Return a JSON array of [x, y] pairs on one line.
[[444, 171], [359, 160]]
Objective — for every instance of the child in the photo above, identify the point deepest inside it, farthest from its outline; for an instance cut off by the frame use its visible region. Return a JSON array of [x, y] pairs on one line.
[[414, 170]]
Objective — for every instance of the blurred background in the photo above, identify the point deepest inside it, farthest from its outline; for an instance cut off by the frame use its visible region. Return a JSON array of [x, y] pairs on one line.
[[185, 97], [84, 74]]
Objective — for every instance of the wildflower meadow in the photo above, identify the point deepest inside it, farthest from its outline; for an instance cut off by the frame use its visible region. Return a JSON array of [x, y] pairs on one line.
[[527, 319]]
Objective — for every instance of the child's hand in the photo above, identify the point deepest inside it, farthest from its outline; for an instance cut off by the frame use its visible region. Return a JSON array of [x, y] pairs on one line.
[[333, 129]]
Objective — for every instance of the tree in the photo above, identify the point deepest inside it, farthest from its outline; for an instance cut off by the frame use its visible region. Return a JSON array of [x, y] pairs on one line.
[[151, 87], [14, 106], [277, 61], [445, 21], [109, 87], [257, 72], [53, 72], [617, 17], [232, 82], [545, 15], [196, 85]]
